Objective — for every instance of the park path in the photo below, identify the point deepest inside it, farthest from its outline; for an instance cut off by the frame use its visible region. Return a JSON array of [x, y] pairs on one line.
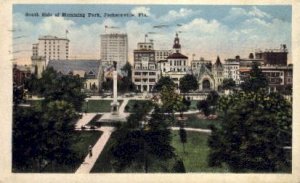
[[86, 118], [89, 162], [122, 107], [193, 129]]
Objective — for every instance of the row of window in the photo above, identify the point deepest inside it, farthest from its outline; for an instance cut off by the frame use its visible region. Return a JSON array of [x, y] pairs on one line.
[[145, 80]]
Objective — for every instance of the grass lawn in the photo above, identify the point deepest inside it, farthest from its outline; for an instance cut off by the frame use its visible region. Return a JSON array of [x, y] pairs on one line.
[[196, 152], [194, 122], [35, 103], [195, 158], [193, 105], [131, 103], [98, 105], [94, 122], [104, 163]]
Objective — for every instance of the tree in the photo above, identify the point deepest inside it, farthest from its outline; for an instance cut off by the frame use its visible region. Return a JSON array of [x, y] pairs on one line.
[[27, 139], [164, 81], [256, 80], [255, 129], [141, 145], [127, 68], [170, 99], [54, 86], [188, 83], [179, 166], [60, 118], [203, 105], [228, 84], [183, 139]]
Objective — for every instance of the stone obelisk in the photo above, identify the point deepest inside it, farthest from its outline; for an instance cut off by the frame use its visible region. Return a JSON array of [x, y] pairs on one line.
[[115, 103]]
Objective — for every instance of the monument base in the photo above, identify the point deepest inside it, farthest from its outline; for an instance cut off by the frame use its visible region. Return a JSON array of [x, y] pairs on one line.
[[109, 117]]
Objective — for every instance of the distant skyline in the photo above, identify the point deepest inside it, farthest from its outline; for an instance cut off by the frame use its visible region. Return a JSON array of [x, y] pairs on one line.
[[206, 31]]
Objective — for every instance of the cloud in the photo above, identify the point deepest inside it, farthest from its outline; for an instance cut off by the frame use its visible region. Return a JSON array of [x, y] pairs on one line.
[[240, 13], [175, 15], [255, 12]]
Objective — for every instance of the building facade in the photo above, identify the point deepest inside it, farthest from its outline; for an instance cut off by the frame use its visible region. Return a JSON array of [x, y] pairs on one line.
[[52, 48], [20, 74], [145, 71], [273, 56], [114, 47], [196, 64], [176, 64], [162, 54], [232, 69]]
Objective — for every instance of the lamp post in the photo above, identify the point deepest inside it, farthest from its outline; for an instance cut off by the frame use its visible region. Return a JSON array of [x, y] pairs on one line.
[[142, 128]]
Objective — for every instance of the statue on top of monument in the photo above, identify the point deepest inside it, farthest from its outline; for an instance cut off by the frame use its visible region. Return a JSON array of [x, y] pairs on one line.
[[115, 65]]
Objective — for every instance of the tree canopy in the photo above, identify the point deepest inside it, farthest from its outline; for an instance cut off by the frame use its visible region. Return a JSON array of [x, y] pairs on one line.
[[255, 128], [164, 81], [256, 80], [228, 84], [188, 83]]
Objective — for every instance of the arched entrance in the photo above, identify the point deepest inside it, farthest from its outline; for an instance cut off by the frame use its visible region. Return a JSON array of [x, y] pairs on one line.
[[206, 84]]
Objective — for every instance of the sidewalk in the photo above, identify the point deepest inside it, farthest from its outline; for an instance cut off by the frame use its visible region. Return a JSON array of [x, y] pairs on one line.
[[193, 129], [89, 162], [86, 118]]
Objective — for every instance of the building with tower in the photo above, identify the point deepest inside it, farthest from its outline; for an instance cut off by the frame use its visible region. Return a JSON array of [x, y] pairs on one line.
[[176, 64], [114, 48], [217, 71]]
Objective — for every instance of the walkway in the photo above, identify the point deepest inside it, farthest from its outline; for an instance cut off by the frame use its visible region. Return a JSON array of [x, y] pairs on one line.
[[89, 162], [193, 129], [86, 118]]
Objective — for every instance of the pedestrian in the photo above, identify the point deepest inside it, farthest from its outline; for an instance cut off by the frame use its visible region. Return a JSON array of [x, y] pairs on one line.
[[90, 151]]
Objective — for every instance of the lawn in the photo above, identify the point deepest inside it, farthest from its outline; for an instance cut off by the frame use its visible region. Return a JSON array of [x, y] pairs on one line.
[[81, 141], [196, 152], [104, 163], [132, 105], [193, 121], [98, 106], [193, 105], [35, 103], [195, 158]]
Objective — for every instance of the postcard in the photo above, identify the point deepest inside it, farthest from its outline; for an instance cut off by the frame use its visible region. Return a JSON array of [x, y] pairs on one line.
[[149, 92]]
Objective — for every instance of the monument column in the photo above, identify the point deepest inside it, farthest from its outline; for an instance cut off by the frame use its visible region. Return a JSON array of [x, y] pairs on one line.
[[115, 103]]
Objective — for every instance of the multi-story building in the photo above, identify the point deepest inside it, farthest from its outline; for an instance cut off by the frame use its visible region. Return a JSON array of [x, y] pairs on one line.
[[20, 74], [145, 70], [176, 65], [162, 54], [114, 48], [232, 69], [52, 48], [273, 56]]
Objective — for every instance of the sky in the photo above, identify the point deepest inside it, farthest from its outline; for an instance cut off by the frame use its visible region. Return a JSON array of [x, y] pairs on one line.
[[205, 31]]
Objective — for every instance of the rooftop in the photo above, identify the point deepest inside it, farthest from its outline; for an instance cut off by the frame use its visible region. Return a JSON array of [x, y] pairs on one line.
[[177, 55], [89, 67]]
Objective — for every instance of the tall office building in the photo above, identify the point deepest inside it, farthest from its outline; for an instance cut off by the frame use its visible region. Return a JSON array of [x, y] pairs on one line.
[[114, 47], [51, 48]]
